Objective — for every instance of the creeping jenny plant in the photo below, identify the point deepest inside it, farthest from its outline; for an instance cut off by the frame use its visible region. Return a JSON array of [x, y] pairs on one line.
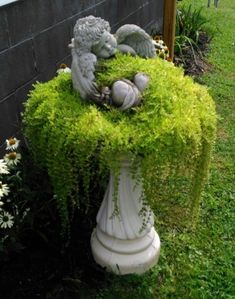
[[172, 131]]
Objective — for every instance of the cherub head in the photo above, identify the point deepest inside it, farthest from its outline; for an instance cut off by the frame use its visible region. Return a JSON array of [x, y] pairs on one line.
[[92, 34]]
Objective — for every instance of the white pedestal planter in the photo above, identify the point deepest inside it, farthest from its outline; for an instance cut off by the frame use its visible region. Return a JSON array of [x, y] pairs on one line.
[[122, 243]]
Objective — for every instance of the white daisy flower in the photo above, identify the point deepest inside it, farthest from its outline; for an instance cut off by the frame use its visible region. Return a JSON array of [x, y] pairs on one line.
[[12, 158], [1, 204], [6, 220], [3, 167], [63, 69], [12, 143], [154, 42], [4, 189]]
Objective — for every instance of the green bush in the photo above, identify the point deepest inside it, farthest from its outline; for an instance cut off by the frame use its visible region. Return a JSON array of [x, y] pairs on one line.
[[173, 131]]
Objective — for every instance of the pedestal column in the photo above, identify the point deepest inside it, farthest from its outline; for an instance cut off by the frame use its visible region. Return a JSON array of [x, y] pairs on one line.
[[125, 242]]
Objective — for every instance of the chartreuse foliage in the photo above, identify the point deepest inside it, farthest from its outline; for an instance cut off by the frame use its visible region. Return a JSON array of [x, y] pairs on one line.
[[172, 131]]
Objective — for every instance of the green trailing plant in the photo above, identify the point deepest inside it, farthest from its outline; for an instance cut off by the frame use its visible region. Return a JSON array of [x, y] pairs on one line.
[[78, 143]]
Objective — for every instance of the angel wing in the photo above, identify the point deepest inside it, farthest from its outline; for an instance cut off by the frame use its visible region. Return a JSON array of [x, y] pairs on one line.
[[83, 68], [135, 37]]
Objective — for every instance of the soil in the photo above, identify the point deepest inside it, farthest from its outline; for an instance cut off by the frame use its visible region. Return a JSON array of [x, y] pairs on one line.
[[48, 267]]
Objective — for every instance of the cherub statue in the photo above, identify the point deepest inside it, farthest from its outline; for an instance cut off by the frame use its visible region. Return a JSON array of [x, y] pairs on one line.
[[93, 40]]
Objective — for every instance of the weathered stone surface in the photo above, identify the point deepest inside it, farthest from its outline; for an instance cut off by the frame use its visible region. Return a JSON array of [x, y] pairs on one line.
[[4, 42], [52, 45], [42, 15], [108, 10], [20, 21], [17, 68], [144, 14], [21, 95], [47, 74], [9, 120], [64, 9], [127, 8], [67, 60], [156, 12]]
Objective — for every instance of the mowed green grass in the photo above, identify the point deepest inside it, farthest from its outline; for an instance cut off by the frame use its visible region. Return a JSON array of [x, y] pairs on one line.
[[201, 263]]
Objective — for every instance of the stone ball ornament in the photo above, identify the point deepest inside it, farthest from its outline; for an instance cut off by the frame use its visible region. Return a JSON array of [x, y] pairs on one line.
[[125, 94], [93, 41]]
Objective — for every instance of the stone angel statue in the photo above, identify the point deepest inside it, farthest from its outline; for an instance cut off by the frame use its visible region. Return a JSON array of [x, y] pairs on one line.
[[93, 40]]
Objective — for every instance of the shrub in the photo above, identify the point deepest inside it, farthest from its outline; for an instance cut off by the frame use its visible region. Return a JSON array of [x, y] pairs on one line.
[[173, 131]]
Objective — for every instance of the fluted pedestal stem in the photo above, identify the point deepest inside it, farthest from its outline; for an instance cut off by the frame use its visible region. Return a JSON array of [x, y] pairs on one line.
[[125, 242]]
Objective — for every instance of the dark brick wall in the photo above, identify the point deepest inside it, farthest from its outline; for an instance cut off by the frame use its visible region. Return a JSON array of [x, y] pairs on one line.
[[34, 35]]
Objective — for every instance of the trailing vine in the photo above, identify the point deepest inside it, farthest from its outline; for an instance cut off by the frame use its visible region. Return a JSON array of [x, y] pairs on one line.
[[172, 131]]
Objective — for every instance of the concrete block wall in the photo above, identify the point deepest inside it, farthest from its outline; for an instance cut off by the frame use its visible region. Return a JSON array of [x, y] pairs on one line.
[[34, 35]]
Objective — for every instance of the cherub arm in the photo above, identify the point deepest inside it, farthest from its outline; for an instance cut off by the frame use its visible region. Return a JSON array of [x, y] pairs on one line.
[[83, 68]]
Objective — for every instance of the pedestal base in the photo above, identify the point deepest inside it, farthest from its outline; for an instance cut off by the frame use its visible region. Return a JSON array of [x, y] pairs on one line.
[[125, 256]]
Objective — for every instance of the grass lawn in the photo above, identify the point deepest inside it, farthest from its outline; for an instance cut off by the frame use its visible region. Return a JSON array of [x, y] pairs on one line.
[[200, 263]]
